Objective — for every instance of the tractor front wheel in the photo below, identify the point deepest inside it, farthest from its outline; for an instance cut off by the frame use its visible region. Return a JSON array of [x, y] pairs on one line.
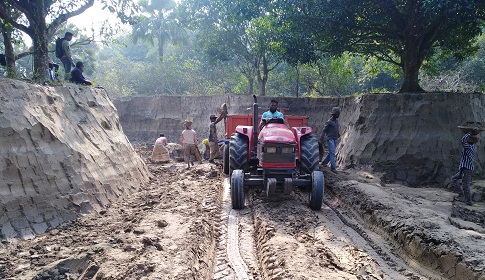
[[237, 189], [316, 193], [271, 187]]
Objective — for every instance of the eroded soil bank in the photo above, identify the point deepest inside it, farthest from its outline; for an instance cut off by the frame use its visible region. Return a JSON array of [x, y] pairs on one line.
[[411, 138], [63, 152]]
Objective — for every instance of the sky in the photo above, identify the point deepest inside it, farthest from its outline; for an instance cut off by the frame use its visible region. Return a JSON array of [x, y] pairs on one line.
[[92, 18]]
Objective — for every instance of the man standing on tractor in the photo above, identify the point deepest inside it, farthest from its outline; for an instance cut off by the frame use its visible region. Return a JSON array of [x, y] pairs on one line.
[[271, 113], [213, 141], [329, 138]]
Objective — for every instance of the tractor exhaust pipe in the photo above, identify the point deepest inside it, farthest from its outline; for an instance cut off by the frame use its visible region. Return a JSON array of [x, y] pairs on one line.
[[255, 126]]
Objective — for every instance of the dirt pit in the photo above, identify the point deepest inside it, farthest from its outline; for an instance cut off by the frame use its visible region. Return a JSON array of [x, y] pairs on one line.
[[179, 227]]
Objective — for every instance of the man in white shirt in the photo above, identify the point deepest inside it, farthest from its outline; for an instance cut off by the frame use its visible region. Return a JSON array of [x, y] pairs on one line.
[[189, 143]]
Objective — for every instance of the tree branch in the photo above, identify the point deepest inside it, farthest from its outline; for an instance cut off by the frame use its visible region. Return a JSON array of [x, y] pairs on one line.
[[7, 18], [64, 17]]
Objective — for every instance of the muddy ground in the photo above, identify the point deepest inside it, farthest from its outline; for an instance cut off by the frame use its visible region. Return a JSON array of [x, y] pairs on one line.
[[174, 226]]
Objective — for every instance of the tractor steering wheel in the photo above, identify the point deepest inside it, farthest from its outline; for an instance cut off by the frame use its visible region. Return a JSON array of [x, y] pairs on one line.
[[266, 121], [274, 120]]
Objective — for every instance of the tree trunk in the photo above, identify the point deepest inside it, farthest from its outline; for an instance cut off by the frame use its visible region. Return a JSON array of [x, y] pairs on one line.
[[40, 57], [39, 40], [264, 79], [9, 52], [161, 45], [411, 60], [297, 87], [250, 85], [411, 76]]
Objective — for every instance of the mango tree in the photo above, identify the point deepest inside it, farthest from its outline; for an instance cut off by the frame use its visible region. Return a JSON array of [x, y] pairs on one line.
[[401, 32]]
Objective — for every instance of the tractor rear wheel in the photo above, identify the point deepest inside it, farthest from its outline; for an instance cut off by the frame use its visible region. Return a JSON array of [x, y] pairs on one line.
[[309, 154], [316, 193], [238, 152], [225, 159], [237, 189]]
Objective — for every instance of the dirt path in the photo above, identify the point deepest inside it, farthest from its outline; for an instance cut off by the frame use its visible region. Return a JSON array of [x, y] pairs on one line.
[[165, 231], [181, 226]]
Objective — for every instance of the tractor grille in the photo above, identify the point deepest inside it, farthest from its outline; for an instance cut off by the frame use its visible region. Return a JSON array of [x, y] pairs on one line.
[[277, 153]]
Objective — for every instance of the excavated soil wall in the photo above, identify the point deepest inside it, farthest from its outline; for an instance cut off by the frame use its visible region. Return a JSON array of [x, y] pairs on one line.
[[412, 138], [63, 153]]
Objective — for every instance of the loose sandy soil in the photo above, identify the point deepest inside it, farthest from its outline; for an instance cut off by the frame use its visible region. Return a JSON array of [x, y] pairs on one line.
[[172, 228]]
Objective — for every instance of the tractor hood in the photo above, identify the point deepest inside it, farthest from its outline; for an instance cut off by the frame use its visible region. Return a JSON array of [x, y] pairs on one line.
[[276, 133]]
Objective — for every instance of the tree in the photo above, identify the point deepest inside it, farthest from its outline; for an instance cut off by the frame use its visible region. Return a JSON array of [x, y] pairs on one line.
[[36, 13], [10, 36], [40, 19], [158, 24], [401, 32], [236, 30]]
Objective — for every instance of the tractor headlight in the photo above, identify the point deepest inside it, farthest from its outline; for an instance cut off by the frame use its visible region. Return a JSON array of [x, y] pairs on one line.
[[271, 150], [287, 150]]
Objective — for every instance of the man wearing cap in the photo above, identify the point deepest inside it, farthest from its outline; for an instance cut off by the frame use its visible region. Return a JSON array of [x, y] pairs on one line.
[[330, 136], [189, 143], [466, 166], [66, 58], [77, 75], [213, 141]]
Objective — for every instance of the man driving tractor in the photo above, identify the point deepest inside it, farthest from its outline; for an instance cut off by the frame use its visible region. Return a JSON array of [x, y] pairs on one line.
[[272, 113]]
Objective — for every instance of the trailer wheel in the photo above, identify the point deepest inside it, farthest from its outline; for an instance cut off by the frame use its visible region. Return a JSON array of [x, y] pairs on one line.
[[271, 187], [316, 193], [238, 152], [225, 159], [309, 154], [237, 189]]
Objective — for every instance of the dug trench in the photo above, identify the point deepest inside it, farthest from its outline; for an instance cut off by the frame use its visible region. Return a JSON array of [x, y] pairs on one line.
[[78, 202]]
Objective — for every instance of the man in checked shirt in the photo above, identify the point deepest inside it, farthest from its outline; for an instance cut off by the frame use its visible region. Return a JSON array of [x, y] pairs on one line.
[[466, 166]]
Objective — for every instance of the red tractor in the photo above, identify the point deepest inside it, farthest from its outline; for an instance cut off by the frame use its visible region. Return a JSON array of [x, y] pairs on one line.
[[277, 158]]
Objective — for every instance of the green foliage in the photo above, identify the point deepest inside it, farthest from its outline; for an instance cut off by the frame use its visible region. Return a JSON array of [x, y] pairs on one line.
[[403, 32], [157, 24], [474, 66], [242, 31]]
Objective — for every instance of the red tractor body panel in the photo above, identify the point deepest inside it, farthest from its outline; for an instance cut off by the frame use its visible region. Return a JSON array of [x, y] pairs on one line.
[[232, 121], [276, 133]]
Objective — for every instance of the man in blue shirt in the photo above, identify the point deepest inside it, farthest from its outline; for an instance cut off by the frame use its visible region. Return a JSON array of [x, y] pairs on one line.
[[466, 166], [271, 113], [330, 136]]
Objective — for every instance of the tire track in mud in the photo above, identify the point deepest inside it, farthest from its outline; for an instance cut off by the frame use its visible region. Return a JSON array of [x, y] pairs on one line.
[[235, 256], [282, 238], [294, 242]]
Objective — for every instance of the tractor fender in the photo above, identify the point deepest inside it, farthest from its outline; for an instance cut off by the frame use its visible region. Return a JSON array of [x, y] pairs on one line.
[[299, 132]]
